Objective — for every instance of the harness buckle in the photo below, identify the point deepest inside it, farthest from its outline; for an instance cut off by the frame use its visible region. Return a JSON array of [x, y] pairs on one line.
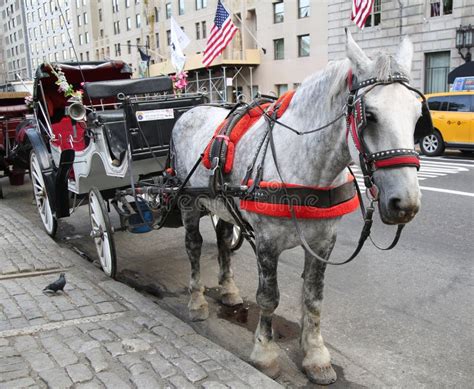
[[372, 193]]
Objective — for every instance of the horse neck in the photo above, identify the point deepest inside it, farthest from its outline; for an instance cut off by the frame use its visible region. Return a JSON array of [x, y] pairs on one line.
[[319, 158]]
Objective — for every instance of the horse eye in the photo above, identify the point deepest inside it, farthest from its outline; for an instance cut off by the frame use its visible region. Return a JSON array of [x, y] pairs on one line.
[[370, 117]]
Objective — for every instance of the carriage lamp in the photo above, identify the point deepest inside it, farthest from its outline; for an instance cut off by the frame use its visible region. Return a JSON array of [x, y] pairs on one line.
[[464, 40]]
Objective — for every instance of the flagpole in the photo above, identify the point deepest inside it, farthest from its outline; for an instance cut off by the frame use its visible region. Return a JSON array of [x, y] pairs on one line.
[[248, 30]]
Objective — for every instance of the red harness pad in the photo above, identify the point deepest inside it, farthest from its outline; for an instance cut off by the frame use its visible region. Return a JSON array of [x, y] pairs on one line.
[[300, 211], [242, 126]]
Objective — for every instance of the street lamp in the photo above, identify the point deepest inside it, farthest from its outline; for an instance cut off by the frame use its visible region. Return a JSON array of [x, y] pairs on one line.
[[464, 40]]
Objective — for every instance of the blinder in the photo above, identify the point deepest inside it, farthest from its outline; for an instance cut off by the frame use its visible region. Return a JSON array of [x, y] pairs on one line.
[[424, 125]]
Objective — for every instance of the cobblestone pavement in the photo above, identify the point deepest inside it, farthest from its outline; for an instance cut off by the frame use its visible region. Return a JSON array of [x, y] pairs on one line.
[[99, 333]]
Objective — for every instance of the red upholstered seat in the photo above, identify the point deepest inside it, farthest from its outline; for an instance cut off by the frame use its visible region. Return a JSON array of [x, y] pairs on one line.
[[64, 135]]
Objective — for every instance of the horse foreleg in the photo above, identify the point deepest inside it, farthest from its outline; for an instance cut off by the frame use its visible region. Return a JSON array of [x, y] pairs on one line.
[[229, 292], [317, 361], [198, 307], [265, 352]]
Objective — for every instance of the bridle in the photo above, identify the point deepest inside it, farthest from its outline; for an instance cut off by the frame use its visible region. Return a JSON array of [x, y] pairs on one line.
[[356, 122]]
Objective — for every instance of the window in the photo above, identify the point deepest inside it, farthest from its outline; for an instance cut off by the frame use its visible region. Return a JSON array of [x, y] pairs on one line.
[[436, 71], [278, 49], [80, 39], [117, 27], [303, 45], [278, 12], [201, 4], [100, 14], [86, 36], [198, 31], [84, 16], [157, 14], [101, 32], [460, 103], [181, 7], [115, 6], [441, 7], [168, 10], [79, 21], [127, 3], [375, 16], [204, 30], [168, 37], [129, 23], [281, 88], [303, 8], [129, 47], [137, 20]]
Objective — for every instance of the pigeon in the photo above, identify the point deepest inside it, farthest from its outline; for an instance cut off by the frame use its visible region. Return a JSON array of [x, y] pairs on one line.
[[59, 284]]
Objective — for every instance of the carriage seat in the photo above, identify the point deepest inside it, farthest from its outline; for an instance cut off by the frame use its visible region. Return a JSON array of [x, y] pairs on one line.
[[66, 138], [138, 86]]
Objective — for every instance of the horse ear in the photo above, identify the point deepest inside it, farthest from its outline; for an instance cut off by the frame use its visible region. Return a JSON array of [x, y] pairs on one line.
[[356, 55], [404, 55]]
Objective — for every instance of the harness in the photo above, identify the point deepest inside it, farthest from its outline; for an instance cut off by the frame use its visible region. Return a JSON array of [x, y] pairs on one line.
[[256, 190]]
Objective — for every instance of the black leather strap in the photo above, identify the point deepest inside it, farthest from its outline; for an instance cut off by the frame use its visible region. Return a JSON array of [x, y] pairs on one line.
[[304, 196]]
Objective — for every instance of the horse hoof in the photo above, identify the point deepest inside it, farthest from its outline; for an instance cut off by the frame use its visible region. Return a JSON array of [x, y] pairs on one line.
[[231, 299], [199, 314], [271, 369], [321, 375]]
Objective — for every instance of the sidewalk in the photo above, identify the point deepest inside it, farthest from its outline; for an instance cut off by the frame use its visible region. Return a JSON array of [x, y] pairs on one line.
[[100, 333]]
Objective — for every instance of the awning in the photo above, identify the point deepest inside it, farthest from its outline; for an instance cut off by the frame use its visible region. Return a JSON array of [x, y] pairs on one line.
[[464, 70], [20, 108]]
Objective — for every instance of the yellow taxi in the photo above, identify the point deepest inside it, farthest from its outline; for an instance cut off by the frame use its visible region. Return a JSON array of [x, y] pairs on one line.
[[453, 120]]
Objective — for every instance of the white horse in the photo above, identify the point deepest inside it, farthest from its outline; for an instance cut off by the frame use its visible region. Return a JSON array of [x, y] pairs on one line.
[[318, 159]]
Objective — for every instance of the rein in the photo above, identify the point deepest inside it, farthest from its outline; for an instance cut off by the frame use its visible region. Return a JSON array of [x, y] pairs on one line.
[[354, 110]]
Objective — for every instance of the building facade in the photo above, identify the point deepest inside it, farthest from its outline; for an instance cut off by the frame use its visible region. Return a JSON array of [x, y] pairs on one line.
[[48, 31], [14, 42], [430, 24], [279, 43]]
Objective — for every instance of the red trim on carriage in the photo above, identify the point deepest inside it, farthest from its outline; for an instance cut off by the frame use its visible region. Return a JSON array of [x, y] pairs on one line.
[[301, 211]]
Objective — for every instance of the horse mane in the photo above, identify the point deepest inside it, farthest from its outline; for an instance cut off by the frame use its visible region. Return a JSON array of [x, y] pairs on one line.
[[332, 80], [329, 81]]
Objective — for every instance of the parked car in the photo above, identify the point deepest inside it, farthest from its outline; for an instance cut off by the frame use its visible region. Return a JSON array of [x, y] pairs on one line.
[[453, 120]]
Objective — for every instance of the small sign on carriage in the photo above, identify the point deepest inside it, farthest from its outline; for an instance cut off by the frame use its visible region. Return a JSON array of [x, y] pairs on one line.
[[155, 114]]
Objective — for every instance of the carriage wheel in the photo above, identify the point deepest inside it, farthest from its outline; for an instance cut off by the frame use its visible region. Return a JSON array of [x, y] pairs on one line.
[[50, 222], [102, 233], [237, 237]]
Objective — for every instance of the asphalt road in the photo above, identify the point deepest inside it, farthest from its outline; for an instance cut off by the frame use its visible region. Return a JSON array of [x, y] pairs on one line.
[[398, 318]]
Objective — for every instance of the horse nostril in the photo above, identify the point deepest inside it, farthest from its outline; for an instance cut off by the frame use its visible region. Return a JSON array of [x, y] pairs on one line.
[[394, 204]]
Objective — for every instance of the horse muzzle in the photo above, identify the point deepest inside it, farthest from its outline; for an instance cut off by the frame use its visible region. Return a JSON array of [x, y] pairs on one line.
[[399, 202]]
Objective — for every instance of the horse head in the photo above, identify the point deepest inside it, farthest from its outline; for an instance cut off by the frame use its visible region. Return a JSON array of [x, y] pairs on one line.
[[385, 144]]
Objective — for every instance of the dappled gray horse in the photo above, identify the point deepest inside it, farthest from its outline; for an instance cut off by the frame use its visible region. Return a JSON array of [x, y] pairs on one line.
[[319, 159]]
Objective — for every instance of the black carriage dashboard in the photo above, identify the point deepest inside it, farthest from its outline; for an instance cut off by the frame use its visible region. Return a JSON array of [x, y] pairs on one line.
[[144, 115]]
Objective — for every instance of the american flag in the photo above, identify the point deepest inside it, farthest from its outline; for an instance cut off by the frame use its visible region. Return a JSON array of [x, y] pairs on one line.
[[221, 34], [361, 11]]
